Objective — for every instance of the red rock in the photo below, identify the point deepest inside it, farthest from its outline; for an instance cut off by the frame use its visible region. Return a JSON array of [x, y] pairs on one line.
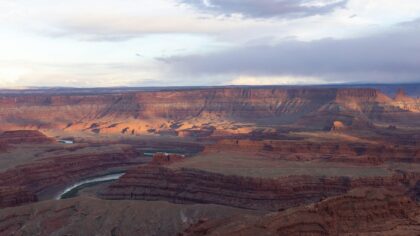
[[362, 212], [24, 136], [166, 158], [11, 196], [358, 152], [304, 106], [47, 176], [195, 186]]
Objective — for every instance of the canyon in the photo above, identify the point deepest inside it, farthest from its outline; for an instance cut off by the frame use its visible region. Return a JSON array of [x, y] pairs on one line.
[[212, 112], [308, 160]]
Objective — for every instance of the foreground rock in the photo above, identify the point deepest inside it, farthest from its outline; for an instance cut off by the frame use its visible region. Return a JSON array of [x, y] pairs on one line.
[[88, 216], [361, 212]]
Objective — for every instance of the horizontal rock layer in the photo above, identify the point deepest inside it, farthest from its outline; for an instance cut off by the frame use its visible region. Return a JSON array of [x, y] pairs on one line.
[[45, 176], [369, 153], [362, 212], [24, 137], [194, 186], [11, 196], [318, 106]]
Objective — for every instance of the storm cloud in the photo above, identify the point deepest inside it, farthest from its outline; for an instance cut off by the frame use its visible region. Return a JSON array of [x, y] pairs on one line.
[[267, 8], [385, 57]]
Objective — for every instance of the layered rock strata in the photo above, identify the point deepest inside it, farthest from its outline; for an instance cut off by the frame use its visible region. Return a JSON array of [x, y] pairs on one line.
[[334, 151], [195, 186], [361, 212], [44, 177], [171, 110], [24, 137]]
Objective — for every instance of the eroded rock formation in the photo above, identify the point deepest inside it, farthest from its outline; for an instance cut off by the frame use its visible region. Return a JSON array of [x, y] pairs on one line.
[[11, 196], [189, 112], [24, 137], [45, 177], [166, 158], [194, 186], [368, 153], [361, 212]]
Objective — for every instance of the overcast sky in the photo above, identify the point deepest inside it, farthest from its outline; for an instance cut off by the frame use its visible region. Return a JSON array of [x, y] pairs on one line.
[[100, 43]]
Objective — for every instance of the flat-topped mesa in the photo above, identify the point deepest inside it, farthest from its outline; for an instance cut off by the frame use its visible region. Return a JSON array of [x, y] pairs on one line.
[[24, 136], [360, 93], [139, 112]]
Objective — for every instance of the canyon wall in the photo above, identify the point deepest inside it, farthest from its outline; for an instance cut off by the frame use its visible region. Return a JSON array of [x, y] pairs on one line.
[[24, 137], [135, 112], [195, 186], [302, 150], [44, 178]]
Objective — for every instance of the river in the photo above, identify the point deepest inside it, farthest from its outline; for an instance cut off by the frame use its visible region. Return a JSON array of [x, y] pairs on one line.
[[88, 182]]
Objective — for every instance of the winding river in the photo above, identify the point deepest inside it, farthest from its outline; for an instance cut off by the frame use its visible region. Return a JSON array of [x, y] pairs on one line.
[[96, 180]]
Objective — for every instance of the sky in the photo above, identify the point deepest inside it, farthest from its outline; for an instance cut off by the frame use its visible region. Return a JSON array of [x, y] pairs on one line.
[[104, 43]]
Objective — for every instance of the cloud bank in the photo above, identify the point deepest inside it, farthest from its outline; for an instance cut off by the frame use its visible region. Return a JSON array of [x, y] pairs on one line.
[[267, 8], [391, 56]]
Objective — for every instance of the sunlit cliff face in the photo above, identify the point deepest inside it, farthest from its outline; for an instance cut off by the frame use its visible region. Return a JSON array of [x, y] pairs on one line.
[[212, 42]]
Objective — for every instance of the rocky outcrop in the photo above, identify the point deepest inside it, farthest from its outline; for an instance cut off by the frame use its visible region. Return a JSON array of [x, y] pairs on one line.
[[195, 186], [161, 159], [338, 126], [45, 177], [24, 137], [361, 212]]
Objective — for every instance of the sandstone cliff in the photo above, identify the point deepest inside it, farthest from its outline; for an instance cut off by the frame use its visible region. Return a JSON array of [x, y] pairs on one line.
[[204, 109], [24, 137], [44, 178]]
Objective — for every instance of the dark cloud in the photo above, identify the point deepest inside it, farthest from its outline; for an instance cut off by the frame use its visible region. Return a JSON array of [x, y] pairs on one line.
[[266, 8], [385, 57]]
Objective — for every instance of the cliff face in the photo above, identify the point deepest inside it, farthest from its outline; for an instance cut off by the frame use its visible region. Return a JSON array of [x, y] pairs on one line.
[[45, 177], [134, 112], [11, 196], [194, 186], [361, 212], [367, 153], [24, 136]]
